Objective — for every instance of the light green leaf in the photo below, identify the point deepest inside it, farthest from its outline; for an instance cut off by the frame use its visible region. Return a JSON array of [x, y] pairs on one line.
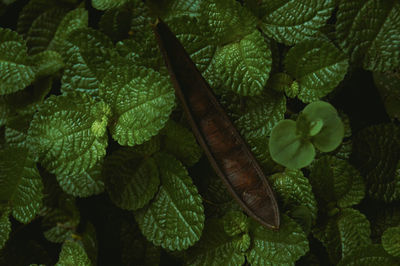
[[15, 73], [282, 247], [318, 67], [89, 182], [294, 190], [293, 21], [175, 218], [372, 255], [336, 180], [216, 247], [179, 8], [43, 29], [391, 241], [47, 63], [107, 4], [181, 142], [141, 100], [20, 183], [374, 45], [68, 133], [244, 66], [5, 228], [131, 180], [388, 85], [377, 156], [88, 55], [343, 234], [228, 21], [289, 149], [73, 253], [235, 223], [193, 36]]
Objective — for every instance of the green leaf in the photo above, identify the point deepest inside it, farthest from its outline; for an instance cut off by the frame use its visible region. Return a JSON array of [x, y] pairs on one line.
[[20, 183], [235, 223], [293, 21], [5, 228], [131, 180], [318, 67], [336, 181], [374, 45], [391, 241], [16, 131], [289, 149], [175, 218], [294, 190], [73, 253], [181, 142], [89, 182], [88, 54], [47, 63], [15, 73], [282, 247], [320, 122], [107, 4], [216, 247], [377, 156], [388, 85], [43, 29], [343, 234], [69, 133], [244, 66], [141, 100], [228, 21], [372, 255], [193, 36], [384, 218]]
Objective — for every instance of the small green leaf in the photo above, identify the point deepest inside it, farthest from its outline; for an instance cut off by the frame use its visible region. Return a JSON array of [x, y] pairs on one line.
[[89, 182], [318, 67], [235, 223], [131, 180], [15, 73], [372, 255], [181, 142], [321, 123], [282, 247], [344, 233], [216, 247], [293, 21], [20, 183], [175, 218], [107, 4], [61, 133], [228, 21], [87, 56], [47, 63], [244, 66], [336, 181], [391, 241], [374, 45], [288, 148], [294, 190], [141, 100], [16, 131], [5, 228], [73, 253]]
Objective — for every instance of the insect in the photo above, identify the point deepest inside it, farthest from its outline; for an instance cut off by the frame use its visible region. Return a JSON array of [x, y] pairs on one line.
[[227, 152]]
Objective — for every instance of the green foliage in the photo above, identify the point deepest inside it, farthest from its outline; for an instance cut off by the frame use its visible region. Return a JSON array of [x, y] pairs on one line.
[[99, 164]]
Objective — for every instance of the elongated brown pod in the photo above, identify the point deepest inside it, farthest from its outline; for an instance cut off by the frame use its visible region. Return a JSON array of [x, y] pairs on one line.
[[226, 150]]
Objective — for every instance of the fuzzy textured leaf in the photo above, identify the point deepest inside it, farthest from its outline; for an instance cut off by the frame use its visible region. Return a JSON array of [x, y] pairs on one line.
[[5, 228], [244, 66], [175, 218], [391, 241], [336, 180], [388, 84], [141, 100], [375, 44], [107, 4], [372, 255], [68, 133], [282, 247], [292, 21], [73, 253], [131, 180], [20, 183], [318, 67]]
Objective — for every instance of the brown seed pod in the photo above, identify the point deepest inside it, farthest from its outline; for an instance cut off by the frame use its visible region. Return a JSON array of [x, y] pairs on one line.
[[226, 150]]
